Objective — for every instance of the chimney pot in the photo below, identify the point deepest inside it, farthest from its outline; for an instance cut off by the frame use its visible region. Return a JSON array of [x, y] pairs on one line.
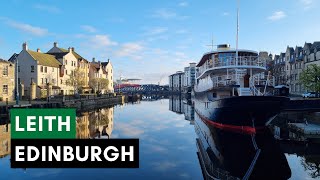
[[70, 49], [55, 44], [38, 50], [24, 46], [93, 59]]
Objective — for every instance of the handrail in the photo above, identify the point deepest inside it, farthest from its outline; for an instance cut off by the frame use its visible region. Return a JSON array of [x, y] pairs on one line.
[[241, 61]]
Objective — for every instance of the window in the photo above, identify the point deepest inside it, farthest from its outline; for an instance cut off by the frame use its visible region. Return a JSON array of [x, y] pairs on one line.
[[111, 77], [53, 81], [5, 89], [41, 80], [45, 69], [66, 62], [18, 68], [5, 70], [32, 68], [53, 69], [61, 82], [18, 80], [66, 72], [41, 69]]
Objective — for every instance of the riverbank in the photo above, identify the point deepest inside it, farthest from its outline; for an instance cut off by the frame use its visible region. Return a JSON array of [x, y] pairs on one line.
[[81, 103]]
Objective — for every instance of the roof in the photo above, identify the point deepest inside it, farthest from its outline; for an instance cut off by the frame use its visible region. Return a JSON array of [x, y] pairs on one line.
[[104, 63], [74, 53], [316, 45], [13, 57], [45, 59], [63, 50], [58, 55], [5, 61], [77, 55], [206, 56]]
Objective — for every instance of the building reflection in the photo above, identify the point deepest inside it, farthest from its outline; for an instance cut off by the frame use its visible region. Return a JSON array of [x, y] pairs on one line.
[[95, 124], [176, 104], [181, 105], [5, 139]]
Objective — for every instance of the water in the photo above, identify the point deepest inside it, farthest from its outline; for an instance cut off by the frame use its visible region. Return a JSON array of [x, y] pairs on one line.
[[167, 130]]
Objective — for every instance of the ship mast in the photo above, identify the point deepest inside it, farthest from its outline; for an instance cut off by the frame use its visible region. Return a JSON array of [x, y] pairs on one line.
[[237, 36]]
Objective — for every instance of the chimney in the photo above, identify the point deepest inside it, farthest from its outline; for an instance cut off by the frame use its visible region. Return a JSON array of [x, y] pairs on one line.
[[70, 49], [55, 44], [38, 50], [25, 46], [93, 59], [108, 60]]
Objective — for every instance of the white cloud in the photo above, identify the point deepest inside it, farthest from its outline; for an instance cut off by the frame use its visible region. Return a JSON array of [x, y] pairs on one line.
[[225, 14], [307, 4], [51, 9], [27, 28], [88, 28], [131, 49], [167, 14], [183, 4], [101, 41], [156, 31], [277, 16]]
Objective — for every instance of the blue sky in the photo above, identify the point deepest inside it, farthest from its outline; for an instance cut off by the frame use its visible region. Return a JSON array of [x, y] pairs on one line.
[[152, 39]]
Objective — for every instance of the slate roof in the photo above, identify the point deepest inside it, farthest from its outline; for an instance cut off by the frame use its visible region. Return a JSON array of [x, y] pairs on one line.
[[13, 57], [59, 55], [45, 59], [74, 53]]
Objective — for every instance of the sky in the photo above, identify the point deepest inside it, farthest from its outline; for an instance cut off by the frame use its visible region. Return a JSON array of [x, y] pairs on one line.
[[153, 39]]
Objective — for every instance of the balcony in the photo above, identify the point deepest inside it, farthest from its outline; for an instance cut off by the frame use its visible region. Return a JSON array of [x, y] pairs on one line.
[[232, 62]]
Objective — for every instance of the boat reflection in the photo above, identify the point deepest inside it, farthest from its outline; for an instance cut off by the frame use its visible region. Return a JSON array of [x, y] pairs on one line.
[[97, 124], [231, 155]]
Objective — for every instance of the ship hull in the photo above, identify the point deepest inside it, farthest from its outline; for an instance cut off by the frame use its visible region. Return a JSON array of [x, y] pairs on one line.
[[245, 113]]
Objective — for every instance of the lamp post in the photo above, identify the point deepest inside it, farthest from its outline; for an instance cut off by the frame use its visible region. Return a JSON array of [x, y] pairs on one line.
[[17, 83]]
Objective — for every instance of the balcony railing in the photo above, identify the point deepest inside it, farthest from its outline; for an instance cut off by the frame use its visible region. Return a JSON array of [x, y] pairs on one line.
[[242, 61]]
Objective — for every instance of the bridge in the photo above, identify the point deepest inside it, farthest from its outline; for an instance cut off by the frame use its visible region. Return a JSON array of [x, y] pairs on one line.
[[141, 89]]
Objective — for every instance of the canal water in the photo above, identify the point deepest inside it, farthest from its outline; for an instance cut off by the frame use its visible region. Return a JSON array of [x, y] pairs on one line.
[[175, 144]]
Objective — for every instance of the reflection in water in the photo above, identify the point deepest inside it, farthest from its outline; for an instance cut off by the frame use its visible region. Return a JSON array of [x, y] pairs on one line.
[[95, 124], [230, 155], [5, 139], [182, 106]]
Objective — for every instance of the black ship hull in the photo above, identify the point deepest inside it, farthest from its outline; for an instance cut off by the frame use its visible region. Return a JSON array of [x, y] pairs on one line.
[[244, 113]]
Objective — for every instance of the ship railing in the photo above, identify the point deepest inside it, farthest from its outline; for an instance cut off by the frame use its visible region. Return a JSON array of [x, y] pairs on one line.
[[263, 81], [242, 61]]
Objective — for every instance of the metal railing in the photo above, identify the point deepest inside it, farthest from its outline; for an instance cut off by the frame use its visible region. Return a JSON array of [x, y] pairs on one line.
[[261, 80], [241, 61]]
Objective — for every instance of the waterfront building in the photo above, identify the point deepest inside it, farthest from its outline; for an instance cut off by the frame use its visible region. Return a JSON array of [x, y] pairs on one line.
[[312, 53], [107, 66], [71, 61], [96, 73], [36, 70], [176, 81], [189, 77], [7, 83], [289, 65]]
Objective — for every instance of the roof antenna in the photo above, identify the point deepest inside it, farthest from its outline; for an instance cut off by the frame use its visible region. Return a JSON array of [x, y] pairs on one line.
[[211, 43], [237, 31]]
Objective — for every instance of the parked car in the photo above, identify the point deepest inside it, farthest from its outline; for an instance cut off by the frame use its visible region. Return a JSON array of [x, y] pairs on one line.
[[309, 95]]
